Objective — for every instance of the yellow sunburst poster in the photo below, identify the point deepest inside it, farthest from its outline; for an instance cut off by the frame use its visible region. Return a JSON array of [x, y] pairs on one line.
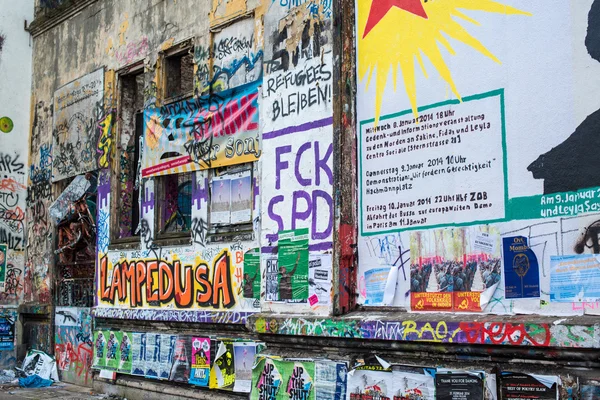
[[477, 122]]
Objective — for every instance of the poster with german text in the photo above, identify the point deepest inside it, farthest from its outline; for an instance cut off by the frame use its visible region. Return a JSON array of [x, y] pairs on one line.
[[414, 383], [370, 382], [200, 361]]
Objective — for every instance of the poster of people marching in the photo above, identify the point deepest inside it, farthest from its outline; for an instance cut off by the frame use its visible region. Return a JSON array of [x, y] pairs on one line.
[[466, 137]]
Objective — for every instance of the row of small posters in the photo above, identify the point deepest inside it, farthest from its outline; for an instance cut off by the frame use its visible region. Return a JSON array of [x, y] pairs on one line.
[[417, 383], [201, 361]]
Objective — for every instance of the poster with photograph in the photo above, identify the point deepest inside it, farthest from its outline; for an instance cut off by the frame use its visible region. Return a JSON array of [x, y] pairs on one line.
[[451, 271], [222, 372], [113, 350], [182, 361], [138, 353], [167, 355], [126, 350], [244, 353], [241, 197], [413, 383], [252, 274], [293, 264], [200, 361], [100, 342], [220, 200], [519, 386], [374, 381]]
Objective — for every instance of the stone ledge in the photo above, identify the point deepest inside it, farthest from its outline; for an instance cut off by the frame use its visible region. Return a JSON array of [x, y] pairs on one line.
[[520, 330]]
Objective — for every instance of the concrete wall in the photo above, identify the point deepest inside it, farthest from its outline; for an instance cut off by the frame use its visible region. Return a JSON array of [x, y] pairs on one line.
[[15, 92]]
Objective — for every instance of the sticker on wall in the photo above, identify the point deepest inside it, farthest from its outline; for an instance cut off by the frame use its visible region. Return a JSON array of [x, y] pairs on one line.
[[519, 386], [252, 274], [6, 125], [293, 264], [200, 361], [126, 350], [521, 270], [455, 385], [450, 271], [575, 278]]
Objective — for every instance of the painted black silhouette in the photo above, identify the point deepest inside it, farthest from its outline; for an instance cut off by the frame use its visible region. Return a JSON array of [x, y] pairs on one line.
[[574, 164]]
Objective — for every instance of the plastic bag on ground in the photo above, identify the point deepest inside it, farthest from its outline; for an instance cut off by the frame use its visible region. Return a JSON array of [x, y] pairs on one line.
[[39, 363], [34, 381]]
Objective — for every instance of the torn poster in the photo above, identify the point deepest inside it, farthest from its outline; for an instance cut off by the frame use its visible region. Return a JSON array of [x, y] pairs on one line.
[[222, 372], [521, 270], [518, 386], [62, 206]]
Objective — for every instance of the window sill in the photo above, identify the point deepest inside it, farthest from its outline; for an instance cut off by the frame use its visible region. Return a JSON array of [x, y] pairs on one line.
[[132, 243], [173, 241]]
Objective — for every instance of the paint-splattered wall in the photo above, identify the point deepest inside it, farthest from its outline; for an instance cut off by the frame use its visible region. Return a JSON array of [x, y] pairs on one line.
[[477, 184], [15, 81]]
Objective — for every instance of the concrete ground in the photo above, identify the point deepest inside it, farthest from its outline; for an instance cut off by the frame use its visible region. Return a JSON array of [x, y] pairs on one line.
[[62, 391]]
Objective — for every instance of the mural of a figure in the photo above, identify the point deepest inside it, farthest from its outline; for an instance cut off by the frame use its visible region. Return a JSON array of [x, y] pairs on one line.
[[574, 164]]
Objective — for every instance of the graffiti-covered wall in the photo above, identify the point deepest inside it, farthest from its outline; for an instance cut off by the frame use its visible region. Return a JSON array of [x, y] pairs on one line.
[[15, 81], [477, 190]]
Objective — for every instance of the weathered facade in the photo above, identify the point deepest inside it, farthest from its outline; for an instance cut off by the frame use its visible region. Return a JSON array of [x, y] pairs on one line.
[[309, 199]]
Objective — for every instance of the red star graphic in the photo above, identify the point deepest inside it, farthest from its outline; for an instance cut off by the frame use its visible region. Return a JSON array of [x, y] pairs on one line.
[[379, 8]]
